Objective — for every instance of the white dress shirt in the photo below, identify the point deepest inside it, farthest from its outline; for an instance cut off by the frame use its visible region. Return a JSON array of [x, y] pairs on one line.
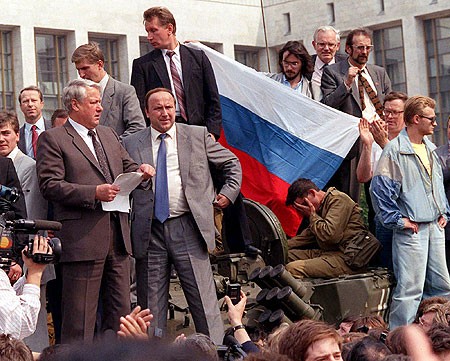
[[19, 307], [103, 83], [83, 132], [177, 60], [318, 70], [40, 127], [177, 200]]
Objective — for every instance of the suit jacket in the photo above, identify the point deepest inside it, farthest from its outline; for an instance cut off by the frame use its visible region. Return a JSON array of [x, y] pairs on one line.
[[200, 88], [315, 88], [8, 178], [121, 110], [22, 143], [197, 151], [26, 171], [68, 174], [336, 95]]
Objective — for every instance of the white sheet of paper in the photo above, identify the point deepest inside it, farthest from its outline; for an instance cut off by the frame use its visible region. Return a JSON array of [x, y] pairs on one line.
[[127, 183]]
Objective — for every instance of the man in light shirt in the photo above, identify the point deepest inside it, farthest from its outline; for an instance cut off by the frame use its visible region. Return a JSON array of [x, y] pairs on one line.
[[178, 228], [409, 197], [20, 305]]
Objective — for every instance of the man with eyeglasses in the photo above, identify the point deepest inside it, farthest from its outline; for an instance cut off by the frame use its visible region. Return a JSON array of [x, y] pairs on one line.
[[374, 136], [326, 42], [295, 63], [409, 197], [356, 88]]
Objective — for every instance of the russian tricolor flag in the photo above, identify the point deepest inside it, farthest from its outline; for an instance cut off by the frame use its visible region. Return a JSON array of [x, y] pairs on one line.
[[278, 134]]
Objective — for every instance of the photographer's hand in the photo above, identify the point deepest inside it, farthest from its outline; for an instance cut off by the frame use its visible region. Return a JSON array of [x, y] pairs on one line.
[[235, 314], [35, 270], [15, 271]]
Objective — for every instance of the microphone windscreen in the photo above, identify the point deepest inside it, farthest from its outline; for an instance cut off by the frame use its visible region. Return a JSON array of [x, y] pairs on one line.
[[47, 225]]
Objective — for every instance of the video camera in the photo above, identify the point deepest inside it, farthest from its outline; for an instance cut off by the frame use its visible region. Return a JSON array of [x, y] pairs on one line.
[[14, 233]]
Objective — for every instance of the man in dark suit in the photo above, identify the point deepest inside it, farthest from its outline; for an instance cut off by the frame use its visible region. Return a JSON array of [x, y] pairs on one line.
[[187, 72], [326, 43], [9, 178], [31, 103], [179, 229], [120, 104], [342, 90], [76, 165]]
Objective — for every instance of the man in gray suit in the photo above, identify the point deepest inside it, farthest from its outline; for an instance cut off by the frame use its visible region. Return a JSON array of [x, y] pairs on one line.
[[31, 103], [179, 227], [36, 209], [121, 109], [342, 89]]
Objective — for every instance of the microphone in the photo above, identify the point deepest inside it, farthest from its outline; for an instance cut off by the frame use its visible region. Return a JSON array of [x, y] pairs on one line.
[[36, 225]]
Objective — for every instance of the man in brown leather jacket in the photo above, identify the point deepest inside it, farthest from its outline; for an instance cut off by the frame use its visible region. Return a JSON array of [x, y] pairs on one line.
[[334, 218]]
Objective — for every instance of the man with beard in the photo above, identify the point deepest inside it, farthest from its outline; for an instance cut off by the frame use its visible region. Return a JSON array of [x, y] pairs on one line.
[[295, 63], [356, 88]]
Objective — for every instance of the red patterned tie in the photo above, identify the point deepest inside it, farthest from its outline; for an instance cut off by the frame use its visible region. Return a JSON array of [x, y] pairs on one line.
[[179, 91], [34, 138]]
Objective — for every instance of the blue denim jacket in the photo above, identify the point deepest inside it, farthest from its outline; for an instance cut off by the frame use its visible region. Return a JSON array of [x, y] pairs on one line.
[[401, 187]]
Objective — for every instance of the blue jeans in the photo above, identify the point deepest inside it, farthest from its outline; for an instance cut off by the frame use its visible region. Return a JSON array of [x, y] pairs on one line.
[[420, 269], [384, 235]]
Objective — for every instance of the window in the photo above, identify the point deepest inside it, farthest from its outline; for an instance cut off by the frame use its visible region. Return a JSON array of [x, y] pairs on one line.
[[51, 53], [382, 7], [287, 23], [216, 46], [437, 38], [6, 71], [247, 56], [144, 46], [110, 48], [388, 44], [331, 14]]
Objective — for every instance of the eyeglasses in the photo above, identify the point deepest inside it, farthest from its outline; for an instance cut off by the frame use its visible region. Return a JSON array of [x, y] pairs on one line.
[[431, 119], [290, 63], [361, 48], [323, 45], [394, 113]]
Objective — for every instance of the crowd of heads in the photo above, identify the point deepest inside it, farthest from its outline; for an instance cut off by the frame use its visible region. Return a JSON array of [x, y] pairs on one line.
[[362, 338]]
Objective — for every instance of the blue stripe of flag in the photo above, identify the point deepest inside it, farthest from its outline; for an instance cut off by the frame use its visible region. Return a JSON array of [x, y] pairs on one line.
[[280, 152]]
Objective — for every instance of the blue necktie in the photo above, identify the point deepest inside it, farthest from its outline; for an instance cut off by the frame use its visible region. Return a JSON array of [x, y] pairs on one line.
[[161, 187]]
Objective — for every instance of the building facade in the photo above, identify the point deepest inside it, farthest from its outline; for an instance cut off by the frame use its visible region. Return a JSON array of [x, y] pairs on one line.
[[411, 38]]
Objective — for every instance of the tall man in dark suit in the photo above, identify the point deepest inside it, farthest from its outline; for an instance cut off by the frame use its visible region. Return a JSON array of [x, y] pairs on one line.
[[31, 103], [187, 72], [76, 165], [120, 104], [178, 228], [356, 88]]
